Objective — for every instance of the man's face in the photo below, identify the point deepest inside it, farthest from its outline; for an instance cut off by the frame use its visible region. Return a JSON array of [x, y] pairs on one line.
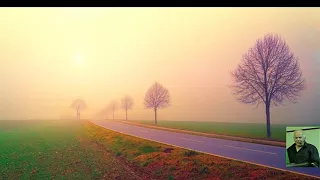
[[299, 138]]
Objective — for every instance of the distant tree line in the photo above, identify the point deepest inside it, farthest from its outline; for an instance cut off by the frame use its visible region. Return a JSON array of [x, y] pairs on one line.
[[156, 97]]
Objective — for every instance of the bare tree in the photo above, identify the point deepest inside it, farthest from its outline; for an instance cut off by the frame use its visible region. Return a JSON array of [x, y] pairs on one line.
[[157, 97], [126, 104], [78, 105], [269, 73], [113, 106]]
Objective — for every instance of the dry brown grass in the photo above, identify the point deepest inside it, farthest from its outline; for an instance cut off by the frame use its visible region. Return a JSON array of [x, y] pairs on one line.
[[159, 162]]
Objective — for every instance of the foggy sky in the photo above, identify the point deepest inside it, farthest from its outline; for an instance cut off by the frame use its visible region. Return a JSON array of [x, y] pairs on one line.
[[51, 56]]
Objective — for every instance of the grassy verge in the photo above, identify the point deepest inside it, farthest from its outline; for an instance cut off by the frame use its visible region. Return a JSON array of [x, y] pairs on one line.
[[167, 162], [248, 130]]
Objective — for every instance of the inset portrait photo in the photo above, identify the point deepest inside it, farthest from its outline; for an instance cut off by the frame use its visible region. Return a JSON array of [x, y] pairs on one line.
[[302, 146]]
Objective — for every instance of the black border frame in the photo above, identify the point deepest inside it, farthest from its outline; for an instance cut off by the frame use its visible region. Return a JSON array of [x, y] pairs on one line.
[[203, 3], [304, 129]]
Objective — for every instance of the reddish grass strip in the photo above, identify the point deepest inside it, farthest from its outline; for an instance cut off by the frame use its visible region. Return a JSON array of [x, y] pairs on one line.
[[167, 162]]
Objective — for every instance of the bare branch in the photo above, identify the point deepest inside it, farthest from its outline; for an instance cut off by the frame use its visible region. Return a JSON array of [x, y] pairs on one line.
[[269, 72], [126, 102], [79, 105], [157, 97]]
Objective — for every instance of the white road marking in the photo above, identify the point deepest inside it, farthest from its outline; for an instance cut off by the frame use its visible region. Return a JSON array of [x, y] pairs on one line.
[[251, 150], [192, 140]]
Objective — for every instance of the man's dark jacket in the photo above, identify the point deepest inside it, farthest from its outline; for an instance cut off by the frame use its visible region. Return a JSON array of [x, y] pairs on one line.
[[308, 153]]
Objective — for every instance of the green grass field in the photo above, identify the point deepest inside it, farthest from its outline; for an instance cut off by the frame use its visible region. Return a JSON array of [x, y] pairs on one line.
[[49, 149], [250, 130]]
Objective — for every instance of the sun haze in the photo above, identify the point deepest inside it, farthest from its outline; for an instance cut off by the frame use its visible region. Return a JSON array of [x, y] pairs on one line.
[[51, 56]]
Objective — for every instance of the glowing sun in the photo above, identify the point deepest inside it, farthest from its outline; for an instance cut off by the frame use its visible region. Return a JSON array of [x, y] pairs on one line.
[[78, 59]]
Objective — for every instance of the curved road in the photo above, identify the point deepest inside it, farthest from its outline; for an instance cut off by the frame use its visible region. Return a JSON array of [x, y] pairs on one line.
[[265, 155]]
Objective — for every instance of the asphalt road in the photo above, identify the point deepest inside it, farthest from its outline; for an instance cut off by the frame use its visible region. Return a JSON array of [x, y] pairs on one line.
[[254, 153]]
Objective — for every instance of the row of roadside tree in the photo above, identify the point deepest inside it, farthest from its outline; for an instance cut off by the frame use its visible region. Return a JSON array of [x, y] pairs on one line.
[[156, 97]]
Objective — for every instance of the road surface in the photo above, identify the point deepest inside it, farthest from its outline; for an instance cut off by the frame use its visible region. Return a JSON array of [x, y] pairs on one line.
[[266, 155]]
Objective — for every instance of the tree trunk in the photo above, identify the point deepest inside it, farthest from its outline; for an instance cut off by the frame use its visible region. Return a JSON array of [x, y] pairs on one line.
[[126, 114], [268, 120], [155, 115]]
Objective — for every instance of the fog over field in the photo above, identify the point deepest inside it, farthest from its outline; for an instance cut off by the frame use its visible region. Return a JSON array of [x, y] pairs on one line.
[[51, 56]]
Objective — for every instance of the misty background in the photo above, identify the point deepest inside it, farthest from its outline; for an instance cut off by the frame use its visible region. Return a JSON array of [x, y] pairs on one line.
[[51, 56]]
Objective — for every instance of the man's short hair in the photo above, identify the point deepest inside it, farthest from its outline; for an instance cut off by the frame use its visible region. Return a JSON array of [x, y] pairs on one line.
[[301, 130]]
